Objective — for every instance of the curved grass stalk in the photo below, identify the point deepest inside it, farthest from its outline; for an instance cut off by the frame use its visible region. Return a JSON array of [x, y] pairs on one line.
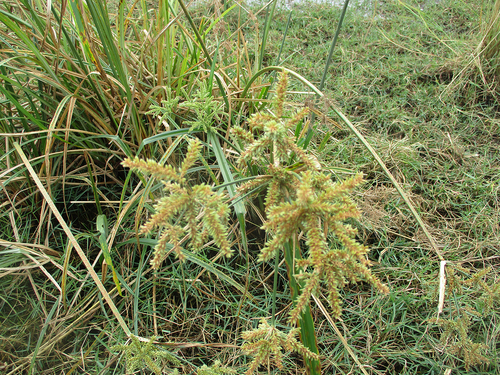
[[279, 69], [398, 187]]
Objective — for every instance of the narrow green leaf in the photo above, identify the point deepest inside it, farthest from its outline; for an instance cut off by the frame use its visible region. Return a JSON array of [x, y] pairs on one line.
[[162, 136], [239, 207], [42, 334], [102, 227], [332, 46], [306, 322], [267, 25], [324, 141], [221, 17], [32, 48], [212, 68], [94, 188], [137, 289], [221, 275]]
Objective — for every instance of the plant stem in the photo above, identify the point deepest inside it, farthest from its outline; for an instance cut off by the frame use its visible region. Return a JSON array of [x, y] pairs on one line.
[[275, 287], [306, 322], [269, 17]]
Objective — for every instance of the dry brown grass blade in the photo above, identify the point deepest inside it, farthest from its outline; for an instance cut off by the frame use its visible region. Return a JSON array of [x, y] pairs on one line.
[[73, 240], [42, 253], [62, 332], [442, 286], [339, 334]]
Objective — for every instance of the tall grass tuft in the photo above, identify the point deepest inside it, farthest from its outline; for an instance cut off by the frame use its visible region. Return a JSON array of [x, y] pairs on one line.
[[490, 44], [244, 223]]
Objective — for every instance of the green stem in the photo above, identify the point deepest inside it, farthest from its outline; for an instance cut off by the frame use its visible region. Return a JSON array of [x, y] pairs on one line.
[[275, 287], [306, 322], [269, 17], [197, 33], [332, 47], [330, 55], [205, 51]]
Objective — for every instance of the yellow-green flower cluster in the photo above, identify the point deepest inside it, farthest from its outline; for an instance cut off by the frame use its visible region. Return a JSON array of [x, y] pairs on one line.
[[301, 198], [267, 345], [204, 212]]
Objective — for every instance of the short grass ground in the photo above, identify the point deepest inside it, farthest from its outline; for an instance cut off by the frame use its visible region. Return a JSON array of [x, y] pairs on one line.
[[403, 74], [396, 72]]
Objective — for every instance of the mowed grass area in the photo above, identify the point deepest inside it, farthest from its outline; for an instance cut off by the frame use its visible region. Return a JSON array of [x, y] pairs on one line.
[[397, 73], [405, 74]]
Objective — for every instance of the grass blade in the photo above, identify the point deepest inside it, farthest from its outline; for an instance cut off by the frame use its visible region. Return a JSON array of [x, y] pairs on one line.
[[102, 227], [212, 269], [42, 334], [306, 322], [332, 46], [339, 334], [72, 238], [239, 207], [391, 177], [267, 25]]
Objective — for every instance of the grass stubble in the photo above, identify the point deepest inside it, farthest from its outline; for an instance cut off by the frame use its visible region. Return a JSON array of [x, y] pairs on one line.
[[398, 72]]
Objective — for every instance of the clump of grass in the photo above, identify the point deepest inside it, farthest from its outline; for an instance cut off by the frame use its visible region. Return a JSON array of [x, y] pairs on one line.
[[298, 197], [490, 43]]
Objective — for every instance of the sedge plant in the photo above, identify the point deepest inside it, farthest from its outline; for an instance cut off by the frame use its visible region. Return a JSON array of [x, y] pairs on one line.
[[306, 214]]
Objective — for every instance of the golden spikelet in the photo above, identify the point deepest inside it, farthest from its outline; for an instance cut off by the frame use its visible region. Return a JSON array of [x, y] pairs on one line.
[[151, 167], [280, 94], [204, 212]]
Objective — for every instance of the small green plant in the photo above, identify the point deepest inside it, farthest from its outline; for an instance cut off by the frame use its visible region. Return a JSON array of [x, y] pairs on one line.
[[301, 198], [205, 109], [266, 344], [215, 369], [139, 355], [457, 328]]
